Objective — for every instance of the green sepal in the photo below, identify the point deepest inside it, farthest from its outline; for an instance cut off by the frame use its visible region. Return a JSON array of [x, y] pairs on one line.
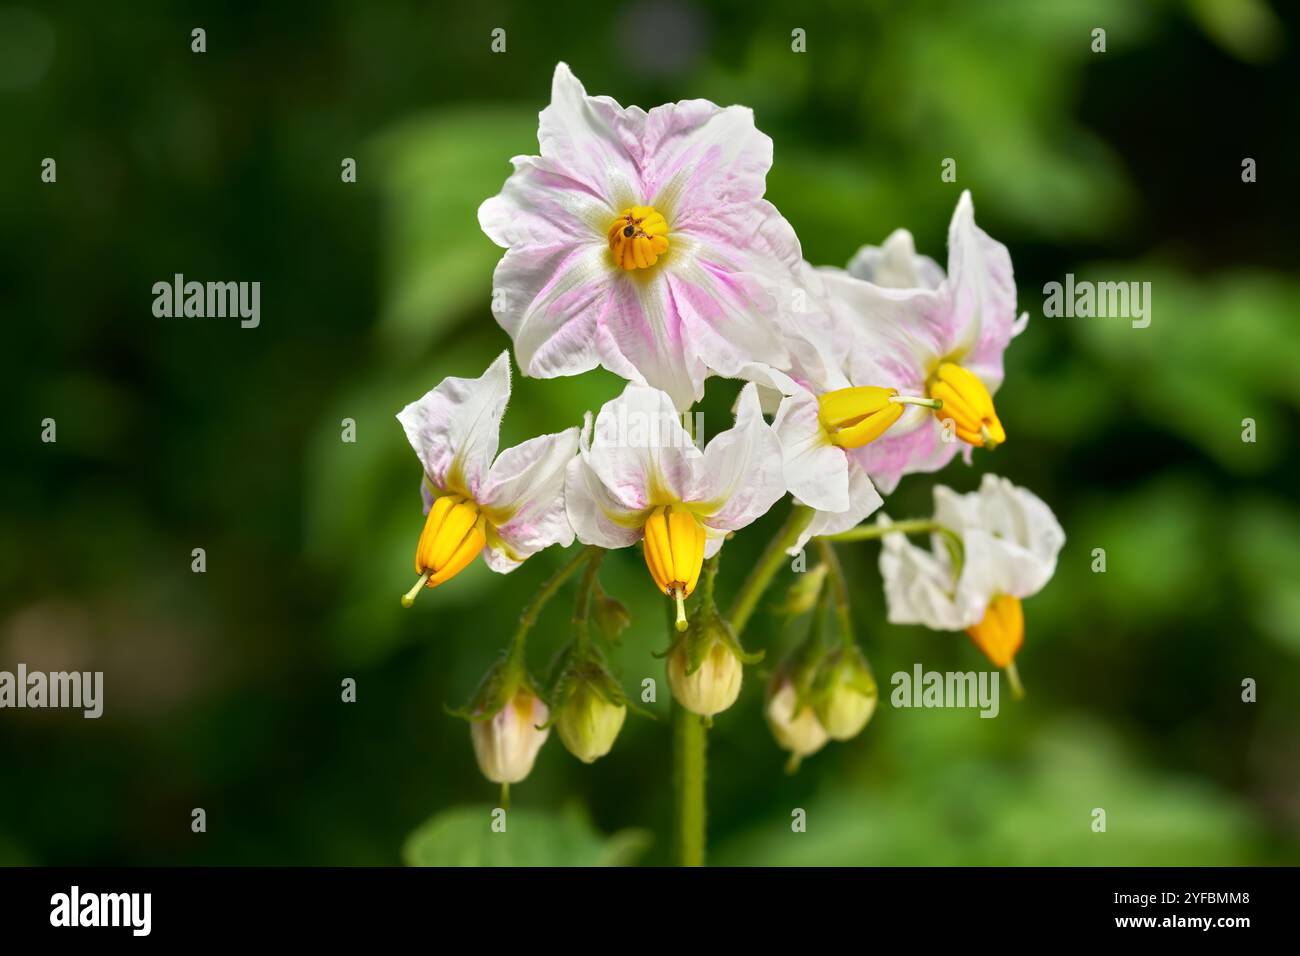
[[499, 685], [611, 616]]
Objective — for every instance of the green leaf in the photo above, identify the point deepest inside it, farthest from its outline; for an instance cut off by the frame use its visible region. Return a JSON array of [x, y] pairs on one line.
[[434, 172], [464, 836]]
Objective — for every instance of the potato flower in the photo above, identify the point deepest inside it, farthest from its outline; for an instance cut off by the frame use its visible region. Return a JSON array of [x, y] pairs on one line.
[[505, 509], [641, 241]]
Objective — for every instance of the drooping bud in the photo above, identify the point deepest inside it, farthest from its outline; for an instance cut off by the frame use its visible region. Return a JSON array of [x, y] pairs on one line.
[[610, 614], [845, 693], [506, 744], [589, 705], [966, 400], [589, 723], [712, 685], [802, 594], [793, 721]]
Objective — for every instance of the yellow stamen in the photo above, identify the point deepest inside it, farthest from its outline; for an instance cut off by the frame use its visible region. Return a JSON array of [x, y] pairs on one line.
[[967, 402], [638, 237], [853, 417], [454, 533], [674, 552], [1001, 632]]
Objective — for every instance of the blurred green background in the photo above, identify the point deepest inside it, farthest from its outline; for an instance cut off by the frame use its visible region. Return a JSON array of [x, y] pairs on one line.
[[223, 689]]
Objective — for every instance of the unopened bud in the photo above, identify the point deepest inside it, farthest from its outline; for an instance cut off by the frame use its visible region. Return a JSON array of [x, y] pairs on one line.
[[506, 744], [713, 685], [845, 693], [796, 730], [589, 722]]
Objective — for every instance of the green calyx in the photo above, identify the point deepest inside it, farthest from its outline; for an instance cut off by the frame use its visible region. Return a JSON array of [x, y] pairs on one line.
[[500, 685]]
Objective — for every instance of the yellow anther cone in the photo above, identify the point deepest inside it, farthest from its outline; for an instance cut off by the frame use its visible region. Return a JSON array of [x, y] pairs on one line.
[[638, 236], [454, 532], [853, 417], [968, 403], [1001, 632], [674, 549]]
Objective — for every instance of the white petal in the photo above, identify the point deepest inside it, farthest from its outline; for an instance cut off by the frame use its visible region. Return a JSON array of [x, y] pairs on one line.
[[815, 471], [455, 428], [919, 587], [863, 500], [894, 264], [596, 515], [524, 498], [981, 290], [741, 474], [640, 451], [593, 139]]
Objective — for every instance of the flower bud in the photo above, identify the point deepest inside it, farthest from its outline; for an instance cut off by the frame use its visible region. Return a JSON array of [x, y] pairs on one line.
[[803, 594], [589, 722], [506, 744], [845, 694], [611, 616], [714, 684], [796, 731]]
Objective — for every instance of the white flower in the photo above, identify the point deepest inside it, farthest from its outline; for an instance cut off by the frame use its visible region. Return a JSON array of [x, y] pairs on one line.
[[925, 333], [506, 744], [508, 508], [641, 242], [1009, 542], [640, 476]]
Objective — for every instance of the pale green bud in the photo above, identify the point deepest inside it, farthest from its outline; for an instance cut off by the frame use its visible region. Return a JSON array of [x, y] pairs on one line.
[[588, 723], [845, 694], [713, 685], [797, 731]]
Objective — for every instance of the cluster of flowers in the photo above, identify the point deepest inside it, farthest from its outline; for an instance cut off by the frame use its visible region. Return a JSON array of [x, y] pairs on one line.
[[641, 242]]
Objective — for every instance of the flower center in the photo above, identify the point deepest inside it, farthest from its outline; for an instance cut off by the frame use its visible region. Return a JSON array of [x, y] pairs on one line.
[[638, 237], [968, 403], [853, 417], [1002, 631], [454, 533], [674, 553]]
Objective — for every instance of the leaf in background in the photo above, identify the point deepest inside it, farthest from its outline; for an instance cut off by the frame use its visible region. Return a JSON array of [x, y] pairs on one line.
[[463, 836], [1262, 539], [435, 171], [1216, 352], [970, 805]]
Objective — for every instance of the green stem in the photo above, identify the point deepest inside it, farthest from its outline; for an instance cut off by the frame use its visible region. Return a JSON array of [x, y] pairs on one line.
[[530, 613], [751, 592], [690, 746], [869, 532], [582, 606], [839, 589]]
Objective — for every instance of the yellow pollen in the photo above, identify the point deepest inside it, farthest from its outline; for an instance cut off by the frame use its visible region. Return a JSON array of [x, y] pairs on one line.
[[674, 553], [967, 402], [454, 533], [1001, 632], [638, 237]]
